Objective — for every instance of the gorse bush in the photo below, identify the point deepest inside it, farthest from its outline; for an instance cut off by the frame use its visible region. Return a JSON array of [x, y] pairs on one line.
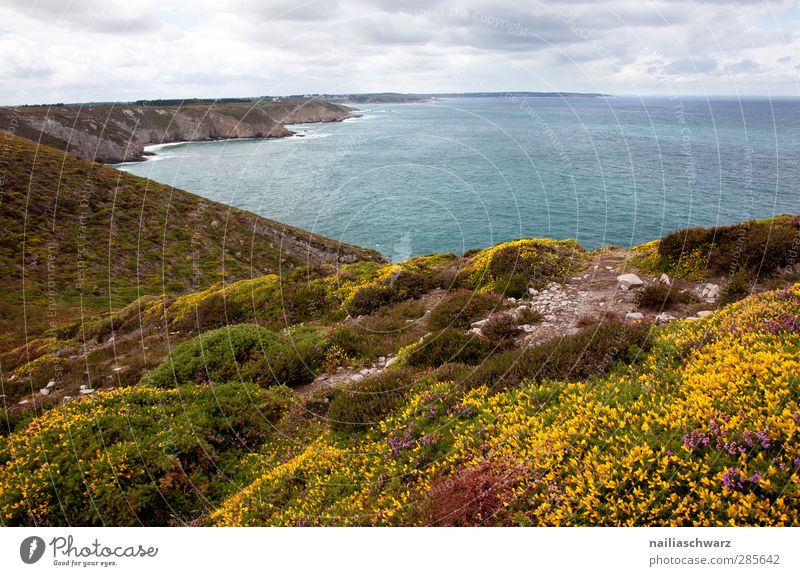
[[360, 406], [243, 352], [511, 267], [592, 351], [754, 248], [135, 455], [461, 308]]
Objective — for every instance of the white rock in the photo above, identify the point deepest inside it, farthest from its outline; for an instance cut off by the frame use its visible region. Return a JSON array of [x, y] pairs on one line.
[[364, 372], [476, 331], [44, 391], [84, 386], [634, 316], [116, 368], [712, 291], [665, 279], [479, 323], [67, 399], [533, 291], [51, 384], [23, 402], [391, 361], [693, 318], [356, 378], [627, 281], [86, 391], [664, 318], [704, 313], [382, 360]]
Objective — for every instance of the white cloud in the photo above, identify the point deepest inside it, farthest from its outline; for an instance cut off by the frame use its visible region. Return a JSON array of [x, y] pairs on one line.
[[108, 50]]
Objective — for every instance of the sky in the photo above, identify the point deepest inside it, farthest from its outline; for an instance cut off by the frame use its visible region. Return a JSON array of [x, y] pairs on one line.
[[111, 50]]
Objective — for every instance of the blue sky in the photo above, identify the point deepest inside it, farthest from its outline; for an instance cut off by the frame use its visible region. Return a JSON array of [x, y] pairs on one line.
[[57, 51]]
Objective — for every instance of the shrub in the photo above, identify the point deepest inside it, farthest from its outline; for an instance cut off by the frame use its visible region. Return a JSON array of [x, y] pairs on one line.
[[371, 298], [471, 497], [593, 350], [660, 296], [751, 247], [675, 244], [356, 408], [514, 285], [736, 288], [239, 352], [135, 455], [460, 309], [530, 316], [449, 345], [501, 328], [512, 265]]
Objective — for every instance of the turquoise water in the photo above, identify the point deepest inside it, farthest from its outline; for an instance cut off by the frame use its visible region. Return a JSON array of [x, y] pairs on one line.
[[456, 174]]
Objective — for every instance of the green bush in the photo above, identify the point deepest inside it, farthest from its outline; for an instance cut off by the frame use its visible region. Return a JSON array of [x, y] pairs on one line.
[[660, 296], [461, 308], [736, 288], [136, 456], [449, 345], [593, 350], [239, 352], [501, 328], [675, 244], [356, 408], [371, 298], [751, 247]]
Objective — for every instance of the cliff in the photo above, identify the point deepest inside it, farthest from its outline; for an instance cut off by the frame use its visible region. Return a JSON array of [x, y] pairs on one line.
[[113, 133]]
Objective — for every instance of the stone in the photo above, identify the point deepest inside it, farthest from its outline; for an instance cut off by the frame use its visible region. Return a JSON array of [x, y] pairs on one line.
[[628, 281], [51, 384], [364, 372], [116, 368], [477, 331], [356, 378], [85, 391], [693, 318], [44, 391], [23, 402], [665, 279], [84, 386], [67, 399], [479, 323], [382, 360], [663, 318], [713, 291], [704, 313], [533, 291], [391, 361], [633, 316]]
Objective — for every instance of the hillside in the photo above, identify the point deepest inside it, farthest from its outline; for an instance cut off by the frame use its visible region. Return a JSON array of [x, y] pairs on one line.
[[531, 383], [115, 133], [80, 238]]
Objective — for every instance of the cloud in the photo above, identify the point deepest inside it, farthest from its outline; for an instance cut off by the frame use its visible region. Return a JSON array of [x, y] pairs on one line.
[[104, 50]]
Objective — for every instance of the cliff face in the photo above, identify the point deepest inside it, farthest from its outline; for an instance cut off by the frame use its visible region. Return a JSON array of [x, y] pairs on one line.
[[118, 133]]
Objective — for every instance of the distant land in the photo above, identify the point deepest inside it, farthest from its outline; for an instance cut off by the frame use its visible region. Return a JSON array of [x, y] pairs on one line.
[[118, 132]]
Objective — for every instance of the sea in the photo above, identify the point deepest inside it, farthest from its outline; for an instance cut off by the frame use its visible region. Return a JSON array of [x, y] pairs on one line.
[[453, 174]]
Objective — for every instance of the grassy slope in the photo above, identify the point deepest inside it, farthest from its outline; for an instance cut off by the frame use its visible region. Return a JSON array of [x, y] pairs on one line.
[[699, 423], [100, 238]]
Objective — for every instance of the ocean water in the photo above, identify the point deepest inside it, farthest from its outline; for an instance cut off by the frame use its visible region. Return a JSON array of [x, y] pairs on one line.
[[462, 173]]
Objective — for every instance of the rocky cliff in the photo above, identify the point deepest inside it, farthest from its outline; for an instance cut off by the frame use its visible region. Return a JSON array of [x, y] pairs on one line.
[[114, 133]]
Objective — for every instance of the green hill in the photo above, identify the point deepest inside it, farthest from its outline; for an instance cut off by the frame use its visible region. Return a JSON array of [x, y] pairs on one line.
[[81, 238], [516, 385]]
